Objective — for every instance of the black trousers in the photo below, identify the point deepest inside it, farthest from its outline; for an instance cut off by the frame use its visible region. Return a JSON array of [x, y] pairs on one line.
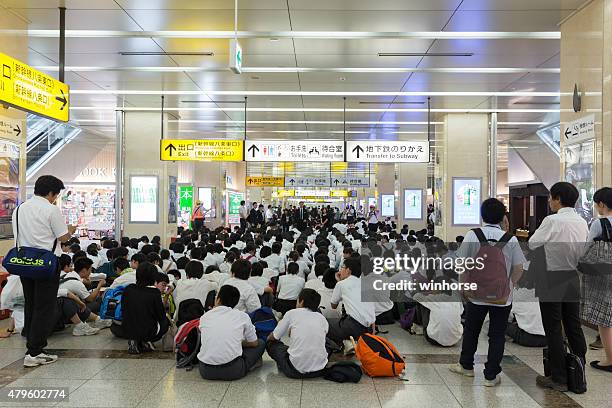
[[522, 338], [235, 369], [279, 352], [198, 224], [40, 312], [243, 224], [344, 328], [284, 305], [474, 319], [69, 308], [385, 318]]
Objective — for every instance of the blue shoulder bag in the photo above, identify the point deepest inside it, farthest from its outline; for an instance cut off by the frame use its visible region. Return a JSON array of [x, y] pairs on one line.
[[28, 262]]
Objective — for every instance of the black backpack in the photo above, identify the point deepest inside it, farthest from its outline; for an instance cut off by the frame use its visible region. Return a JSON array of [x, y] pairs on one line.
[[189, 310], [343, 371], [576, 375]]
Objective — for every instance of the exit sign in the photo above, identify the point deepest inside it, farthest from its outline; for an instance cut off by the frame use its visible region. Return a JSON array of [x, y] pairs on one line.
[[235, 56]]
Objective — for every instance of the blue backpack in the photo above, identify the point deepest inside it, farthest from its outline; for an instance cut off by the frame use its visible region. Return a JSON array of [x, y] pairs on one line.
[[264, 321], [111, 304]]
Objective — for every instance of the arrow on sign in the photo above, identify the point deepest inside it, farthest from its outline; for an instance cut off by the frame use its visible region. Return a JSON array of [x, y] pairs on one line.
[[358, 149], [568, 132], [336, 181], [253, 149], [171, 148], [292, 181], [17, 130], [63, 100]]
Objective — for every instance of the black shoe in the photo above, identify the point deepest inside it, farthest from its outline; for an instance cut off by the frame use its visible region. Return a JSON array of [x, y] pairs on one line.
[[595, 364], [146, 347], [133, 347], [547, 382]]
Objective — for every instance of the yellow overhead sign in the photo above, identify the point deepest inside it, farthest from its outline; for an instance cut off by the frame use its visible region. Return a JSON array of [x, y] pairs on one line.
[[338, 193], [23, 87], [201, 150], [283, 193], [265, 181]]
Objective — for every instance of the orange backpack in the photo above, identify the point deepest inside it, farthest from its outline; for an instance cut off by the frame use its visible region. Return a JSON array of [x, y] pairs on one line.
[[378, 357]]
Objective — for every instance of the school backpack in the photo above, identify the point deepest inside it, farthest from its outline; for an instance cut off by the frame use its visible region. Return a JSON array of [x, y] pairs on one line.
[[576, 374], [187, 344], [264, 321], [189, 310], [407, 319], [111, 304], [378, 357], [343, 371], [491, 276]]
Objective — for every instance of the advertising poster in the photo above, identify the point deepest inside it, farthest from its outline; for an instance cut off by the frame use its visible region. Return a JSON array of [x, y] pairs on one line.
[[185, 206], [387, 205], [466, 201], [172, 200], [143, 199], [413, 204], [233, 206], [372, 202], [9, 185], [207, 196]]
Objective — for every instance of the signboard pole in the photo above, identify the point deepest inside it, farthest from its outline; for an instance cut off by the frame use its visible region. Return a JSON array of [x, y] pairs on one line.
[[119, 174], [62, 43]]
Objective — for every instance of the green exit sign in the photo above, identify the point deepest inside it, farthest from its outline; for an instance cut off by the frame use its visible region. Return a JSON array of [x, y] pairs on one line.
[[235, 55]]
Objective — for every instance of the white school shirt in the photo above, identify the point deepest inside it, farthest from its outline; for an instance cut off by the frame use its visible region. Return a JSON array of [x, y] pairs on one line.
[[289, 287], [126, 279], [562, 235], [304, 269], [349, 292], [168, 265], [222, 331], [75, 286], [307, 331], [216, 277], [595, 231], [275, 261], [315, 284], [40, 224], [325, 304], [444, 317], [526, 310], [259, 283], [269, 273], [192, 288], [249, 301]]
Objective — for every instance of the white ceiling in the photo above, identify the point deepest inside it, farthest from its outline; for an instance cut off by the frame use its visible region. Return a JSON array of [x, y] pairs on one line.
[[382, 16]]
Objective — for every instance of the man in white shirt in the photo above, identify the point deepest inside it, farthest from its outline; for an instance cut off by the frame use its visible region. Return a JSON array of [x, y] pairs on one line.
[[249, 301], [360, 316], [73, 282], [194, 287], [244, 213], [558, 288], [492, 212], [230, 347], [306, 356], [38, 223]]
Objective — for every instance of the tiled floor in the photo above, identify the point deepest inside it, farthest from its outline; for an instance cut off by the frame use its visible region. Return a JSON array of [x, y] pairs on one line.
[[100, 374]]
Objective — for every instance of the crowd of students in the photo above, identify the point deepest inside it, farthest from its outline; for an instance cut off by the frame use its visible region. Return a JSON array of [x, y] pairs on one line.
[[312, 276]]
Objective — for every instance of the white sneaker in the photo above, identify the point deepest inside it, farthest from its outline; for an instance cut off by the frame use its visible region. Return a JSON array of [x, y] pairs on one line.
[[102, 323], [38, 360], [83, 329], [493, 382], [349, 348], [458, 369]]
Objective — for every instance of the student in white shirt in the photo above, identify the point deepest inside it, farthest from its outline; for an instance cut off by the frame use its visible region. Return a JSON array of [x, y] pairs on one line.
[[360, 316], [212, 274], [226, 265], [167, 263], [492, 212], [288, 289], [306, 356], [558, 288], [326, 292], [92, 253], [275, 260], [261, 284], [230, 347], [527, 329], [249, 301], [76, 280], [317, 283], [194, 287]]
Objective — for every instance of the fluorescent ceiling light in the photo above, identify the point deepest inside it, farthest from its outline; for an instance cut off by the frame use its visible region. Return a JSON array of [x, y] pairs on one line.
[[311, 93], [310, 122], [425, 54], [155, 53], [347, 35], [336, 110]]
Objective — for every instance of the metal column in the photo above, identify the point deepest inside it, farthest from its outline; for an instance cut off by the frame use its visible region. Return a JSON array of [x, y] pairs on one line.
[[119, 131], [62, 43], [493, 156]]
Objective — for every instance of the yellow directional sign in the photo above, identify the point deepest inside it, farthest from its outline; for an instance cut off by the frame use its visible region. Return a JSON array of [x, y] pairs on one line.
[[338, 193], [23, 87], [201, 150], [283, 193], [265, 181]]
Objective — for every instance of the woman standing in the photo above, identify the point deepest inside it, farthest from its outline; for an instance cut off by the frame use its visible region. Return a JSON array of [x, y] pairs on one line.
[[372, 220], [597, 289]]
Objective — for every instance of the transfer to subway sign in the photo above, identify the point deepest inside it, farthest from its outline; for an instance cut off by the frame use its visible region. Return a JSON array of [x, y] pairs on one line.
[[294, 151], [23, 87], [265, 181], [201, 150], [387, 151]]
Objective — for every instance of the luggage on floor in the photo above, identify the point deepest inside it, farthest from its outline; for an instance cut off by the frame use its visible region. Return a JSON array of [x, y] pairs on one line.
[[187, 344], [407, 319], [576, 374], [378, 357], [343, 371], [111, 304], [188, 310], [264, 321]]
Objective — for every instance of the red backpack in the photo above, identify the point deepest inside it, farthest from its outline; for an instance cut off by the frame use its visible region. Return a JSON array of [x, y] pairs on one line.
[[493, 283], [187, 344]]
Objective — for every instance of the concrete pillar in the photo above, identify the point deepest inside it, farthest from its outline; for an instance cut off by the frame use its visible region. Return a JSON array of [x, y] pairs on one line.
[[412, 176], [463, 151], [141, 158], [385, 185]]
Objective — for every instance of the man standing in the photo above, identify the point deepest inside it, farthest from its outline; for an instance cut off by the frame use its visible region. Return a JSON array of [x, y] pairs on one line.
[[198, 217], [563, 236], [301, 216], [244, 214], [41, 224]]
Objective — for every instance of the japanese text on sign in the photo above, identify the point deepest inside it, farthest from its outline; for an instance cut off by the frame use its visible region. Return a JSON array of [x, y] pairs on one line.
[[201, 150], [387, 151], [289, 150]]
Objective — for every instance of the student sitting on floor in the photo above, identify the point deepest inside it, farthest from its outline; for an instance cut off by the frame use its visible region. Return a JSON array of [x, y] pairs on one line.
[[249, 301], [440, 314], [230, 347], [261, 285], [144, 318], [306, 356], [194, 287], [360, 316], [326, 292], [162, 282], [527, 329], [288, 289], [75, 281]]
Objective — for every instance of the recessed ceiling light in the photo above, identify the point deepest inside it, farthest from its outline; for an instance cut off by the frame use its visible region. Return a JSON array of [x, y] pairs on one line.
[[425, 54], [255, 77], [274, 39], [536, 103], [342, 78], [155, 53]]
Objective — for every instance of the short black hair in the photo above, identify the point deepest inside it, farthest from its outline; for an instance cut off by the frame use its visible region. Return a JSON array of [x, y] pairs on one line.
[[277, 247], [492, 211], [194, 269], [603, 195], [293, 268], [153, 257], [256, 269], [161, 277], [48, 184], [121, 264], [120, 252], [182, 262], [241, 269], [565, 192], [82, 263], [329, 278], [311, 299], [145, 274], [228, 296], [140, 258], [320, 268], [64, 261], [354, 265]]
